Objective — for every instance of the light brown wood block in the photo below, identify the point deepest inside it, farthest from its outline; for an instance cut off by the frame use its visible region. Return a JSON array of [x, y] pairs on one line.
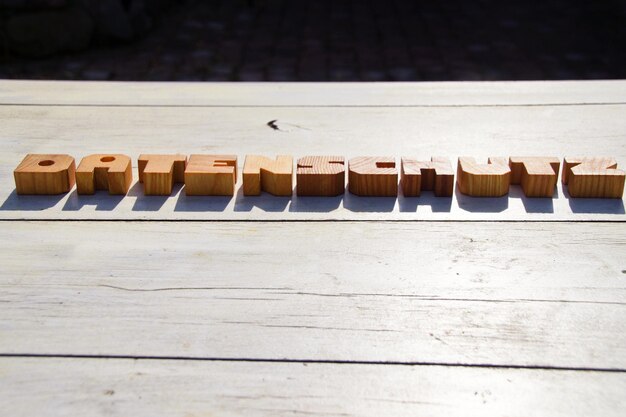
[[45, 174], [211, 175], [536, 174], [375, 176], [320, 176], [111, 172], [483, 180], [593, 177], [436, 175], [158, 173], [274, 176]]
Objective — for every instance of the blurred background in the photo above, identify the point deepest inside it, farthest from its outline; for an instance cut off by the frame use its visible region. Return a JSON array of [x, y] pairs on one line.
[[317, 40]]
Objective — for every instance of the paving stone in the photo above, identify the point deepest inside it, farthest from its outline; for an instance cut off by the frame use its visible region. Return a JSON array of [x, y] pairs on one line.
[[216, 77], [224, 69], [342, 74], [186, 73], [170, 58], [96, 74], [43, 33], [403, 74], [280, 74], [251, 75], [159, 74], [346, 40], [73, 66], [312, 75], [373, 75], [201, 55]]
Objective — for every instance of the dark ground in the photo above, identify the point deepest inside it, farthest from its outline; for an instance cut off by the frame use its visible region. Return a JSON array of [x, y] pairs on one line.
[[328, 40]]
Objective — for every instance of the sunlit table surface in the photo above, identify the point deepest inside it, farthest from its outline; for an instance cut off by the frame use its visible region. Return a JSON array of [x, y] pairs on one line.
[[198, 306]]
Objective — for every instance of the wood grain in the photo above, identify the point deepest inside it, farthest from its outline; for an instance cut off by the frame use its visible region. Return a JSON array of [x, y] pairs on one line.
[[211, 175], [436, 292], [287, 318], [435, 175], [45, 174], [331, 94], [119, 387], [320, 176], [158, 173], [593, 177], [582, 130], [111, 172], [536, 174], [483, 180], [373, 176], [274, 176]]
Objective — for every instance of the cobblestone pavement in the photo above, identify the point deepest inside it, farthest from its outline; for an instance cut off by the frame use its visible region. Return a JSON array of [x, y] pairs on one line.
[[337, 40]]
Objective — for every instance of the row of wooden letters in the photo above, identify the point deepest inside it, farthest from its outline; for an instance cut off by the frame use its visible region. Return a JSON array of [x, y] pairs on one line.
[[318, 175]]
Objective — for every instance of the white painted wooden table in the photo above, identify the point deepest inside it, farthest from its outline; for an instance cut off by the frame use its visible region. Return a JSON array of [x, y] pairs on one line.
[[332, 306]]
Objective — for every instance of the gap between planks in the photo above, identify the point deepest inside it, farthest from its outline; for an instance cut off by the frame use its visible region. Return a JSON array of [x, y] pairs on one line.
[[307, 106], [310, 361]]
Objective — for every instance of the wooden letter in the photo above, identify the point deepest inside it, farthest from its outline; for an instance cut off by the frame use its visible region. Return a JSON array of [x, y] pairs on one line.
[[593, 177], [483, 180], [211, 175], [375, 176], [320, 176], [435, 175], [104, 172], [536, 174], [45, 174], [264, 174], [158, 173]]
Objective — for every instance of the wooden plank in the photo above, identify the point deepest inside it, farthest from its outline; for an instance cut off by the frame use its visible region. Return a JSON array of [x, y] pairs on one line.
[[44, 387], [528, 294], [399, 131], [312, 94]]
